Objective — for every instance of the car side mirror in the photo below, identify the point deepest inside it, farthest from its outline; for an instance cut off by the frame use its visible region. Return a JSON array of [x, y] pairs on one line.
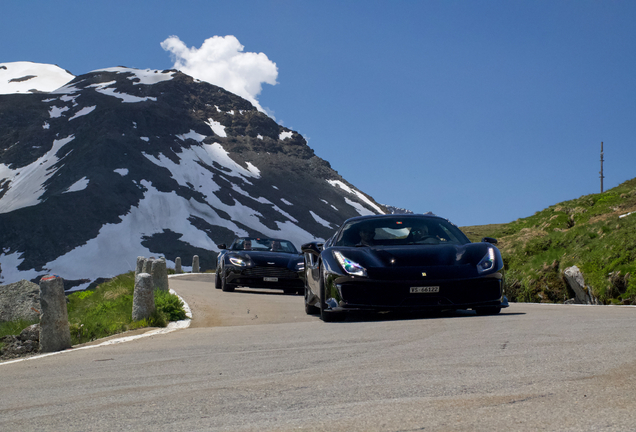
[[312, 248], [489, 240], [222, 246]]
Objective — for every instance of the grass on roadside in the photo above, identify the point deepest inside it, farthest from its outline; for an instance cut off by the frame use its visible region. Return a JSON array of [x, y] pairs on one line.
[[108, 310], [587, 232]]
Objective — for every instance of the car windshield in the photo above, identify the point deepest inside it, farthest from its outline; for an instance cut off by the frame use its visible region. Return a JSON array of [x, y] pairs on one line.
[[400, 231], [263, 245]]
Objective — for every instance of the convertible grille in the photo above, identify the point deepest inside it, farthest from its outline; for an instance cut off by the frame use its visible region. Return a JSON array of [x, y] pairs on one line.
[[279, 272]]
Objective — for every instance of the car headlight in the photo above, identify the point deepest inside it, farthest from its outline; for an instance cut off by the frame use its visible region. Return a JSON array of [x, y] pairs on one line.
[[487, 262], [351, 267], [238, 261], [300, 266]]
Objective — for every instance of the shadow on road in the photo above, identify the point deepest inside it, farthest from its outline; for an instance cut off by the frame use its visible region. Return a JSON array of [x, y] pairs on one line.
[[355, 316]]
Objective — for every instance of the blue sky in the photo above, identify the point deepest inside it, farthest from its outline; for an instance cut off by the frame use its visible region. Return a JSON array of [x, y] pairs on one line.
[[479, 111]]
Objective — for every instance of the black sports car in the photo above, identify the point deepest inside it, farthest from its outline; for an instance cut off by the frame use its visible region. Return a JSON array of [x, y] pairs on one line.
[[260, 263], [402, 262]]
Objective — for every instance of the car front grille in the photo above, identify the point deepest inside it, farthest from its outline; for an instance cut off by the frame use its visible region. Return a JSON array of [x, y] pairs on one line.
[[279, 272], [398, 295]]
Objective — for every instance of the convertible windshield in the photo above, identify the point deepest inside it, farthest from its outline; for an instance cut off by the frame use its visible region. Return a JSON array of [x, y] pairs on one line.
[[263, 245], [400, 231]]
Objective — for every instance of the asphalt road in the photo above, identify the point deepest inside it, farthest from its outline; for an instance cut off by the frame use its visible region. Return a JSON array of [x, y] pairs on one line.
[[253, 361]]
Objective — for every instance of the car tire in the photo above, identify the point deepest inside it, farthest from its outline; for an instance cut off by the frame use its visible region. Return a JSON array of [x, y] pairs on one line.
[[310, 309], [217, 280], [494, 310], [325, 314], [225, 286]]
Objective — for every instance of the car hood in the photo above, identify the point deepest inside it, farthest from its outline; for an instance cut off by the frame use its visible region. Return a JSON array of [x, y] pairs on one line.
[[278, 259], [418, 255]]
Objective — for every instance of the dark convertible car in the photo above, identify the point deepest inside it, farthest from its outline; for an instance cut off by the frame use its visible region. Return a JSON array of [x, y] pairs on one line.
[[402, 262], [260, 263]]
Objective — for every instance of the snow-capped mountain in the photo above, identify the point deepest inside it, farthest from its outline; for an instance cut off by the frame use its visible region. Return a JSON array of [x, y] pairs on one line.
[[397, 210], [120, 162], [28, 77]]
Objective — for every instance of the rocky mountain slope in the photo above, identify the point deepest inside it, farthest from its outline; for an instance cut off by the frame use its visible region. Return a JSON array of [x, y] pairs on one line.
[[122, 162]]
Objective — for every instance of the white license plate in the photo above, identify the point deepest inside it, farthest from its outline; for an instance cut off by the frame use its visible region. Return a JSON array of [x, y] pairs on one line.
[[425, 289], [269, 279]]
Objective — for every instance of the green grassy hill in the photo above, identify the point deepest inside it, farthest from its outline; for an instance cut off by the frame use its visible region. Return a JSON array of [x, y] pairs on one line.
[[587, 232]]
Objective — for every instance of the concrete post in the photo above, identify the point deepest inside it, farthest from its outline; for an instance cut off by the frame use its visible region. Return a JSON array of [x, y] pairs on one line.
[[143, 297], [55, 334], [177, 266], [147, 267], [140, 265], [195, 264], [160, 274]]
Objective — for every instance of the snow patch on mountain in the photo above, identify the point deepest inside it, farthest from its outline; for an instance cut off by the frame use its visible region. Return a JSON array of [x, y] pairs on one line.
[[189, 170], [284, 135], [56, 112], [79, 185], [190, 135], [156, 212], [362, 210], [26, 184], [217, 128], [141, 76], [320, 220], [28, 77], [327, 202], [84, 111], [360, 195], [104, 88]]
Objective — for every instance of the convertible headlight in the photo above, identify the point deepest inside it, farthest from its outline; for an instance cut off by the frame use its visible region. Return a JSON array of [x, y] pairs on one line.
[[238, 261], [487, 262], [351, 267]]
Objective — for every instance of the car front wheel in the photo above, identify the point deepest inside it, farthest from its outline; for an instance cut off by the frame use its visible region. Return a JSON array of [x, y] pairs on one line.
[[310, 309], [225, 286], [325, 314]]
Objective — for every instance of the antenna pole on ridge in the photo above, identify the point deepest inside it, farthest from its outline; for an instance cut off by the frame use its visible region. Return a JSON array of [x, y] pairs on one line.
[[602, 176]]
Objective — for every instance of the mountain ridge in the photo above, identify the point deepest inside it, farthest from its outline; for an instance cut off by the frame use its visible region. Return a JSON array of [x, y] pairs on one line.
[[162, 162]]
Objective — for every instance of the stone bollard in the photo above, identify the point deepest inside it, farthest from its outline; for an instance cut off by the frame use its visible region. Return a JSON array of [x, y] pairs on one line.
[[140, 265], [147, 267], [55, 334], [177, 266], [160, 274], [143, 297], [195, 264]]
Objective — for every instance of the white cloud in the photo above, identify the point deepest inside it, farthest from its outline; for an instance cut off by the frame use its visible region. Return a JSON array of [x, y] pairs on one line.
[[222, 62]]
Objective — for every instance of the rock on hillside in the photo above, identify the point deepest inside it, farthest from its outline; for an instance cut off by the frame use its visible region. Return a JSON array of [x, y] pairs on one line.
[[123, 162], [20, 300]]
